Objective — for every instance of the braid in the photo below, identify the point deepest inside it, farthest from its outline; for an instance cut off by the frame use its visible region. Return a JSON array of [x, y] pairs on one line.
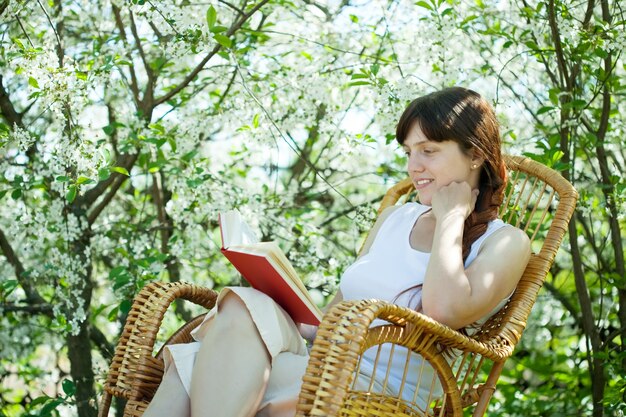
[[487, 204]]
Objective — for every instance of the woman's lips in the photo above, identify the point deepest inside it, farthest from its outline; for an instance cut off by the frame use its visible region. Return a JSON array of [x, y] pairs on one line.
[[422, 183]]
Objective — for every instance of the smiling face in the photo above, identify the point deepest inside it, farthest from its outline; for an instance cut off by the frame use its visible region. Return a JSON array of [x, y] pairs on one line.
[[432, 165]]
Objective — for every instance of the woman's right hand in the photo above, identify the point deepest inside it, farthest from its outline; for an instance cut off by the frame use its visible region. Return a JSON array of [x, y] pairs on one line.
[[456, 197]]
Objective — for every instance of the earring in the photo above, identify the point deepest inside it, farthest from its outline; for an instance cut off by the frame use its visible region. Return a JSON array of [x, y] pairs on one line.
[[474, 166]]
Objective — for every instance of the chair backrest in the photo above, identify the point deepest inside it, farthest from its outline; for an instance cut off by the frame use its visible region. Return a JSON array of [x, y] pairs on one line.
[[537, 200], [541, 202]]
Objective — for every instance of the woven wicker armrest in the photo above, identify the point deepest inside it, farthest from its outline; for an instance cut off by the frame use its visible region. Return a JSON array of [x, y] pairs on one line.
[[135, 371], [345, 334]]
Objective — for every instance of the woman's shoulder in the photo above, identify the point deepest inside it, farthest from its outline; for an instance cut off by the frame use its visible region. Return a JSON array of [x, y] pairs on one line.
[[508, 235]]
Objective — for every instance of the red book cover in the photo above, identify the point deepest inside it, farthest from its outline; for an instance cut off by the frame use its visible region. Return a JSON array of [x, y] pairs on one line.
[[262, 275]]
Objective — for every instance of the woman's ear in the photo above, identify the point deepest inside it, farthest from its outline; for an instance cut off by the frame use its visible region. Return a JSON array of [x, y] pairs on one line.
[[477, 160]]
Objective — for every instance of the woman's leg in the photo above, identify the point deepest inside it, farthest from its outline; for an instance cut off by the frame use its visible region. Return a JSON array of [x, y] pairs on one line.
[[171, 398], [233, 365]]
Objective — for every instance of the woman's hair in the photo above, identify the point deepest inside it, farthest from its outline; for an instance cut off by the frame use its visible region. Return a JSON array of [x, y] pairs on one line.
[[463, 116]]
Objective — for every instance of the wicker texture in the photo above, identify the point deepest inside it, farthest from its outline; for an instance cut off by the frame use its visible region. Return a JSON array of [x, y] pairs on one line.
[[537, 199], [135, 371]]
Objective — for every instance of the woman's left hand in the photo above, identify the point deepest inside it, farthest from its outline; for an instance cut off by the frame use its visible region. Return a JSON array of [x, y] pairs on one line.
[[307, 331], [456, 197]]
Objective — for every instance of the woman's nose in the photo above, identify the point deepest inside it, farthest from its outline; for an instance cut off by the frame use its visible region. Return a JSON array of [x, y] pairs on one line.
[[415, 164]]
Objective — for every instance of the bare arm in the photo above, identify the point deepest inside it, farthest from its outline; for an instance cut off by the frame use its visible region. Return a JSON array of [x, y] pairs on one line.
[[456, 296]]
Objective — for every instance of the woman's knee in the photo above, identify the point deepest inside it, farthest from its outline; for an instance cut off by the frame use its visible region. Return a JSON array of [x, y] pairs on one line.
[[232, 311]]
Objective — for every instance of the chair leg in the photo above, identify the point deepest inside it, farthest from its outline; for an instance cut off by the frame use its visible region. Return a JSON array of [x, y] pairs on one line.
[[488, 389], [105, 405]]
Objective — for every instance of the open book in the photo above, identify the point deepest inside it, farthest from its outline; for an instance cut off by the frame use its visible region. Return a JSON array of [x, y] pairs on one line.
[[266, 268]]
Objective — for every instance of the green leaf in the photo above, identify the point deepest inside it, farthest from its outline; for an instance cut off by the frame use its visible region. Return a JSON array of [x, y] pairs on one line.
[[71, 193], [47, 409], [81, 75], [68, 387], [544, 109], [109, 129], [84, 180], [17, 193], [356, 83], [601, 53], [255, 120], [579, 104], [3, 193], [531, 45], [120, 170], [8, 286], [218, 29], [121, 281], [104, 174], [125, 306], [223, 40], [424, 5], [40, 400], [211, 16], [62, 178], [306, 55], [33, 82], [189, 156], [112, 316], [117, 271]]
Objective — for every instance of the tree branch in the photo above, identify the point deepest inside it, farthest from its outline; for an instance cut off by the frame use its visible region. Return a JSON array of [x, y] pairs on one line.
[[234, 27], [32, 296], [7, 109], [556, 37], [148, 94], [134, 85], [125, 161], [45, 309], [100, 341], [3, 5]]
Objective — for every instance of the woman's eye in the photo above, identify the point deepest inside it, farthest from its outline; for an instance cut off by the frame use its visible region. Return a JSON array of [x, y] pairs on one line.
[[428, 151]]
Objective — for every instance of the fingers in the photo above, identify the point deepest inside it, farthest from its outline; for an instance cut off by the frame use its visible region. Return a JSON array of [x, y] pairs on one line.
[[456, 197], [307, 331], [475, 193]]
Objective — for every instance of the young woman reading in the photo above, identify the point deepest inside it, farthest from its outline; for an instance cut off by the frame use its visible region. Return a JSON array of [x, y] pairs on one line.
[[447, 256]]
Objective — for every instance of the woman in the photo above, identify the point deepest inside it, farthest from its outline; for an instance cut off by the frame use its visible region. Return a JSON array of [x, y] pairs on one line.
[[447, 256]]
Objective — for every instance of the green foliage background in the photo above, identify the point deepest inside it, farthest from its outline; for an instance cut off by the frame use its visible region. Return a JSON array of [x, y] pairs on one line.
[[125, 126]]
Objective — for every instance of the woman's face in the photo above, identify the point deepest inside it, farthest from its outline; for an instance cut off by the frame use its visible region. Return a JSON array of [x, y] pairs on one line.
[[432, 165]]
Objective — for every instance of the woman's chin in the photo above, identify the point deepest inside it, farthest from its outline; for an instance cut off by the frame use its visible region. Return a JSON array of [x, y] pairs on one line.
[[424, 199]]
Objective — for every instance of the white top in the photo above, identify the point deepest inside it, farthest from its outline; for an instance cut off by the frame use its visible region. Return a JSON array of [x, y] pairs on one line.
[[390, 267]]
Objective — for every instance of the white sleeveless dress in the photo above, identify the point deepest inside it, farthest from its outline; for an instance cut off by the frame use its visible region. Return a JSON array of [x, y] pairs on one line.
[[385, 272], [389, 267]]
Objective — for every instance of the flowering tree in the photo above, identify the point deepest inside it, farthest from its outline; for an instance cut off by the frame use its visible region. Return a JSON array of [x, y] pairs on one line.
[[577, 115], [126, 126]]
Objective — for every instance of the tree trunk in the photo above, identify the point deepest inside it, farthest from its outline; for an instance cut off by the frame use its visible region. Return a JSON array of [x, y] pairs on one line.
[[79, 353], [79, 345]]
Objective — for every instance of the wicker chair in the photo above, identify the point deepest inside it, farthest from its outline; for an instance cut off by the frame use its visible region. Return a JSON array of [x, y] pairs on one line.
[[537, 199]]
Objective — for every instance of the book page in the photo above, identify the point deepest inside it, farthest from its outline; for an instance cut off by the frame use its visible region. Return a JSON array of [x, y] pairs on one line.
[[234, 230]]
